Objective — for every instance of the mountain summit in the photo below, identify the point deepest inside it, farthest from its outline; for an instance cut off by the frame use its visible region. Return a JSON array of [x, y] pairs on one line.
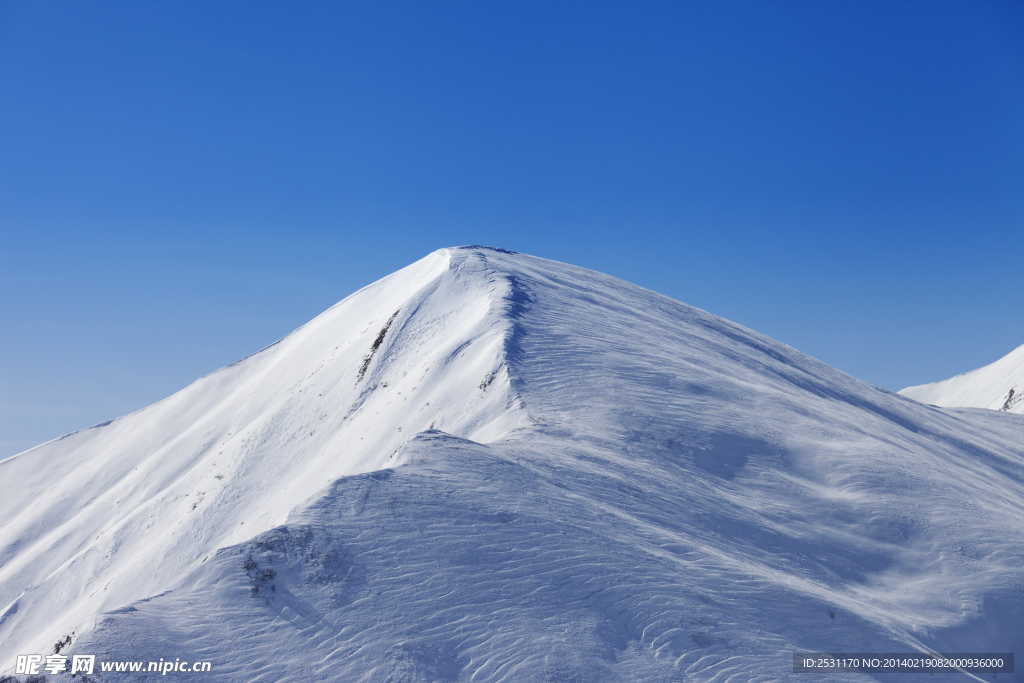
[[493, 467]]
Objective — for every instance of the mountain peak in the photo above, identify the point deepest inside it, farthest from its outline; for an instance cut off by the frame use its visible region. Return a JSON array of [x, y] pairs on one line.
[[496, 466]]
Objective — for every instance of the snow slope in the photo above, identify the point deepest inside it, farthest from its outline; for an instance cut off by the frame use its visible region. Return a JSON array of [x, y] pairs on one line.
[[988, 387], [493, 467]]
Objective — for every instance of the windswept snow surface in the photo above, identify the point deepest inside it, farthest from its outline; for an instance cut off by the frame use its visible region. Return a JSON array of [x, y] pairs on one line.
[[493, 467], [998, 386]]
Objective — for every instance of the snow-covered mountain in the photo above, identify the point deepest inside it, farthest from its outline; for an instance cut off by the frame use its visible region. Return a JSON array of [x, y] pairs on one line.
[[493, 467], [998, 386]]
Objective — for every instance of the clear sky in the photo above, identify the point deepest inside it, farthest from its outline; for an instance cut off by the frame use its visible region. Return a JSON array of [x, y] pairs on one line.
[[183, 183]]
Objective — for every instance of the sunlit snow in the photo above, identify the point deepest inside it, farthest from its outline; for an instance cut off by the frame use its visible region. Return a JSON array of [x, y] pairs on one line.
[[997, 386]]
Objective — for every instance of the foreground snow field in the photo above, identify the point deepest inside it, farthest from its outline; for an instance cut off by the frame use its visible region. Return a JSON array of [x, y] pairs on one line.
[[997, 386], [493, 467]]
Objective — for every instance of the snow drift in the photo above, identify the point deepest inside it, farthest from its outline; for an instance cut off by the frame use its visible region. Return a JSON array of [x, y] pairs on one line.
[[997, 386], [493, 467]]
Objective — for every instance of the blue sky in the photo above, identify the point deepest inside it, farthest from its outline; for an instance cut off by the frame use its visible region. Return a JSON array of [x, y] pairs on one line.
[[183, 183]]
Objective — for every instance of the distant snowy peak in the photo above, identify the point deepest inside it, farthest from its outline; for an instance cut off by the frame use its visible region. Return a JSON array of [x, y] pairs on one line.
[[999, 386]]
